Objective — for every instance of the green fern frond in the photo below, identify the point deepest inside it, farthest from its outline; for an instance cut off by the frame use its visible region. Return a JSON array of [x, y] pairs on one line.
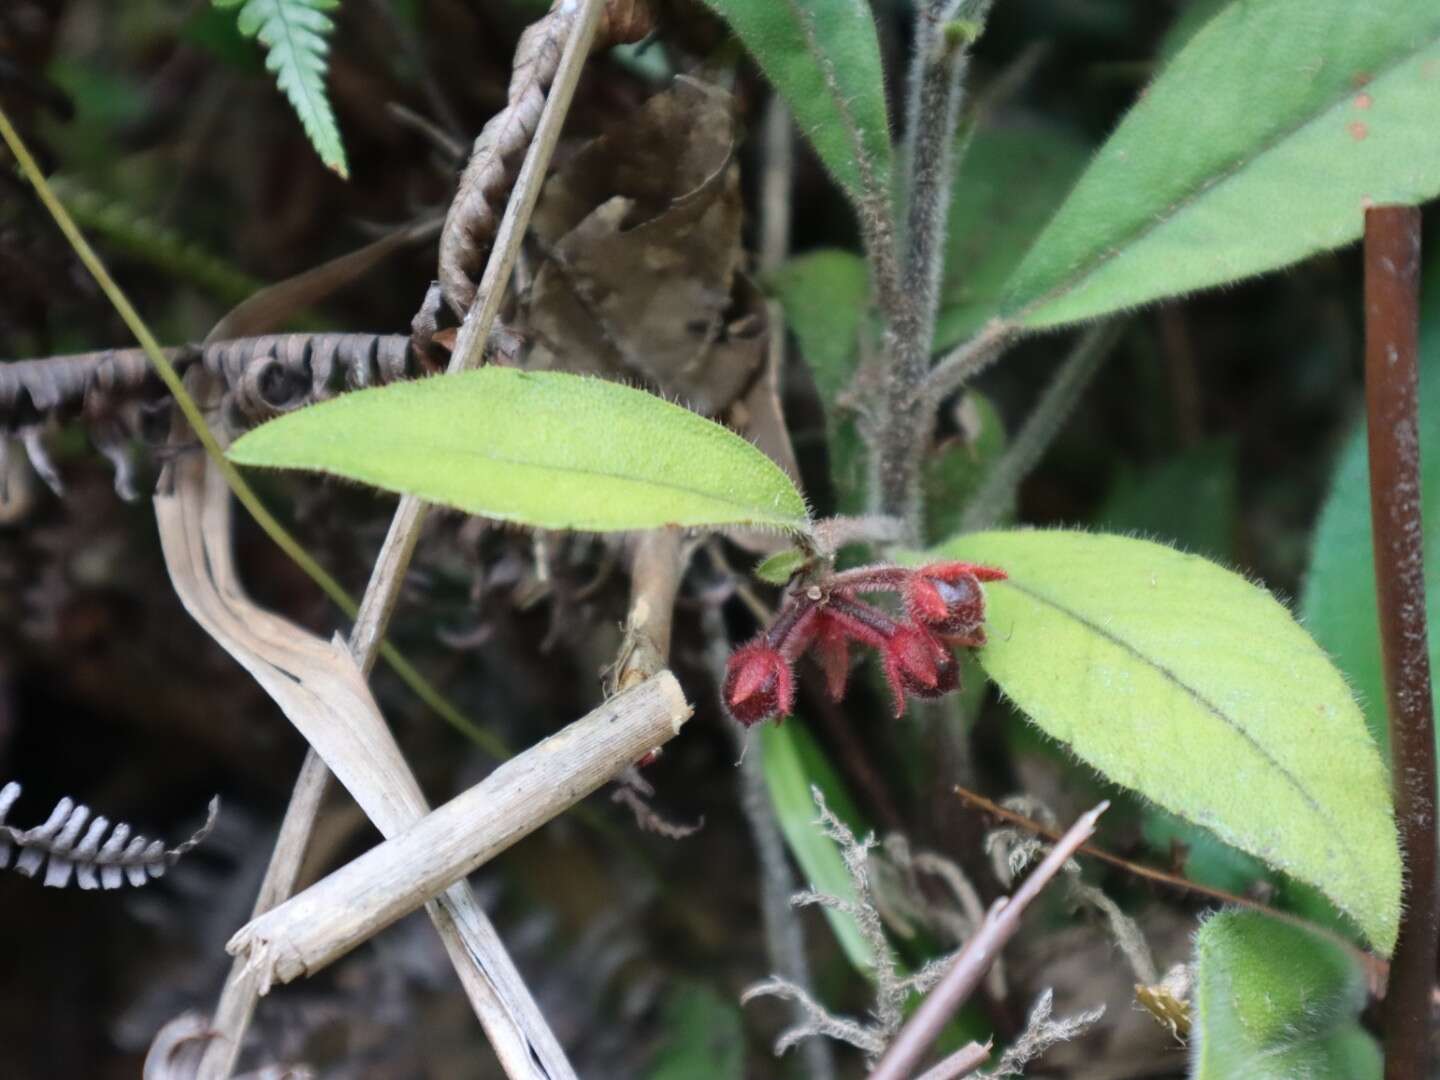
[[139, 236], [294, 34]]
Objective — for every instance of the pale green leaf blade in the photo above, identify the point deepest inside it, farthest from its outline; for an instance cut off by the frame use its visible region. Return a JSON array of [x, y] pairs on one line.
[[775, 34], [1275, 1002], [1260, 144], [1197, 689], [546, 449], [295, 34], [1338, 601], [793, 763]]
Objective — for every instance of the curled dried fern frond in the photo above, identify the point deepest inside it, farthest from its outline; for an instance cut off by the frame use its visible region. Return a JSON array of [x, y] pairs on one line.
[[500, 147], [100, 858]]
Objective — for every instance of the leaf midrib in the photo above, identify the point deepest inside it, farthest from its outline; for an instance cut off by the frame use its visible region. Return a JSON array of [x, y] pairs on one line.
[[1127, 242], [1195, 694], [785, 521]]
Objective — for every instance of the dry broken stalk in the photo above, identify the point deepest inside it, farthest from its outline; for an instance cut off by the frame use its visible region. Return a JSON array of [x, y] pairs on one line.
[[383, 589], [357, 901], [961, 1063], [969, 967], [322, 691], [1392, 390], [657, 562]]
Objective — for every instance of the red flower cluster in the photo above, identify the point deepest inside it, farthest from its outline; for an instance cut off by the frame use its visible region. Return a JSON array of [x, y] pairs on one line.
[[945, 607]]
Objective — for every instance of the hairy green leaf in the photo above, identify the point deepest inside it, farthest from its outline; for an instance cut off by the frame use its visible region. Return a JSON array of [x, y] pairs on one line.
[[780, 567], [1338, 602], [546, 449], [1275, 1002], [793, 764], [1259, 144], [295, 33], [1188, 684], [1187, 23], [824, 59], [1009, 184]]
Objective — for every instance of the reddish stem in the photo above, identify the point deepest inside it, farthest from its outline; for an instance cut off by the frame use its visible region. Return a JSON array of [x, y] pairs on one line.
[[861, 621], [880, 578], [793, 628], [1392, 319]]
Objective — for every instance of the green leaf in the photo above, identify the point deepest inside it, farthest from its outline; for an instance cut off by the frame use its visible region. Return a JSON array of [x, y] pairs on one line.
[[294, 33], [1188, 684], [793, 763], [794, 41], [546, 449], [1259, 144], [1187, 24], [1009, 184], [1338, 601], [780, 567], [1275, 1002], [824, 295], [703, 1035]]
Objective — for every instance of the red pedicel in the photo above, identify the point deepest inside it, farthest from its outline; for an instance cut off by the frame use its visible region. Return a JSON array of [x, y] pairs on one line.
[[758, 683]]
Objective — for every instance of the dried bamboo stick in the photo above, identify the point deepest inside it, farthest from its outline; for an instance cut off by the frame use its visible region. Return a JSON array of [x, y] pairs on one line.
[[324, 922]]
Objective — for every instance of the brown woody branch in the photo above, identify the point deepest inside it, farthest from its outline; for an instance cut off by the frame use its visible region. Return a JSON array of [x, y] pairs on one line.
[[1392, 390]]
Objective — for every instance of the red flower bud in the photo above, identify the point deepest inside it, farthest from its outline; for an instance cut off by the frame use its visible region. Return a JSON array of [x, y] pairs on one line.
[[946, 599], [758, 683], [915, 663]]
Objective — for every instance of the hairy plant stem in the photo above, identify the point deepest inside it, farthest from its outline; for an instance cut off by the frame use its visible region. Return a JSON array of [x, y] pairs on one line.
[[904, 423], [1392, 390]]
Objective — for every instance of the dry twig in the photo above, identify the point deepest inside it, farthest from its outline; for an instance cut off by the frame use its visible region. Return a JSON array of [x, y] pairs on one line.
[[330, 918], [965, 973]]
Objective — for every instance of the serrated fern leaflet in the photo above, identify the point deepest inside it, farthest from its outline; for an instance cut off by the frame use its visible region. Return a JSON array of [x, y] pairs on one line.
[[294, 33]]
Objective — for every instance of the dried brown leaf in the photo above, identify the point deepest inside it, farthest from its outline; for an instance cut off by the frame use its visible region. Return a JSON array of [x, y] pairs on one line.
[[641, 236]]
